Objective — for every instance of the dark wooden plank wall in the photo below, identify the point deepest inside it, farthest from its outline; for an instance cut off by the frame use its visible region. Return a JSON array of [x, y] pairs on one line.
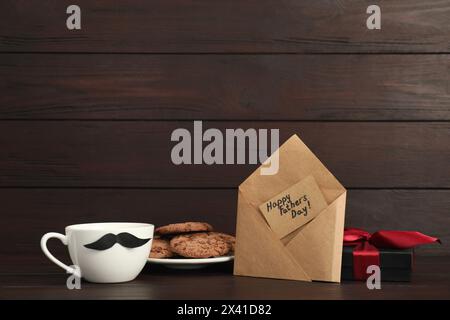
[[225, 26], [226, 87], [86, 116], [138, 154]]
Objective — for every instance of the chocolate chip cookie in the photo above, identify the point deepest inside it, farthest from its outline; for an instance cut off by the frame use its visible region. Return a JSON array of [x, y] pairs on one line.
[[161, 249], [200, 245], [228, 238], [184, 227]]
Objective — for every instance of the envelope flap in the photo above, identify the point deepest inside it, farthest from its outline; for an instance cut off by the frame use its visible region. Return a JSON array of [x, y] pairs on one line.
[[296, 162], [318, 244], [258, 252]]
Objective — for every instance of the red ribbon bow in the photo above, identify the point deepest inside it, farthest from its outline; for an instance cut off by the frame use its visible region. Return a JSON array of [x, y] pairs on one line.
[[366, 246]]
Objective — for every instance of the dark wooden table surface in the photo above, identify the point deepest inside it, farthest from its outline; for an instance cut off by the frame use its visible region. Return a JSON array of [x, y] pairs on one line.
[[431, 280]]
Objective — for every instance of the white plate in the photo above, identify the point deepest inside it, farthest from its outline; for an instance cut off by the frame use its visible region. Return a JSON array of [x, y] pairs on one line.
[[189, 263]]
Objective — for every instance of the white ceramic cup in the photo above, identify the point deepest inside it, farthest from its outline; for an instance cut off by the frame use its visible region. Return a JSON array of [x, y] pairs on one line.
[[105, 252]]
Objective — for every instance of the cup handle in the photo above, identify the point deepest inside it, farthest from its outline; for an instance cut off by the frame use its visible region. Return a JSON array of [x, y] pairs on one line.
[[63, 239]]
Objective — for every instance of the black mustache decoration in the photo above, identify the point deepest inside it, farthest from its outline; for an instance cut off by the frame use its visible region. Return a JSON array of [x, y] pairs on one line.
[[125, 239]]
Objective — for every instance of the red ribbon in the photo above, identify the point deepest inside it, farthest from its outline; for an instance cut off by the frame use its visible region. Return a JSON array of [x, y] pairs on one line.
[[366, 246]]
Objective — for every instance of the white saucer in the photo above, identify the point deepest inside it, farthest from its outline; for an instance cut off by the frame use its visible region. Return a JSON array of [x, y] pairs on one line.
[[189, 264]]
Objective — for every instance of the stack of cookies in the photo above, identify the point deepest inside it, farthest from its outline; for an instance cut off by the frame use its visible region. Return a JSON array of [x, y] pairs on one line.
[[190, 240]]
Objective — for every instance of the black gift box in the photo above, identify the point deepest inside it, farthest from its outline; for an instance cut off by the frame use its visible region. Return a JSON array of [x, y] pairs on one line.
[[395, 265]]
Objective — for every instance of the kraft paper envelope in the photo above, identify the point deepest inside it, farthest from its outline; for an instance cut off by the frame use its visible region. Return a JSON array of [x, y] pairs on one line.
[[313, 251]]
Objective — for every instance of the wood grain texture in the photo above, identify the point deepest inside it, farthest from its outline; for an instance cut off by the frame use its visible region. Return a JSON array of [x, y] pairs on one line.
[[225, 26], [238, 87], [138, 154], [430, 280], [43, 210]]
